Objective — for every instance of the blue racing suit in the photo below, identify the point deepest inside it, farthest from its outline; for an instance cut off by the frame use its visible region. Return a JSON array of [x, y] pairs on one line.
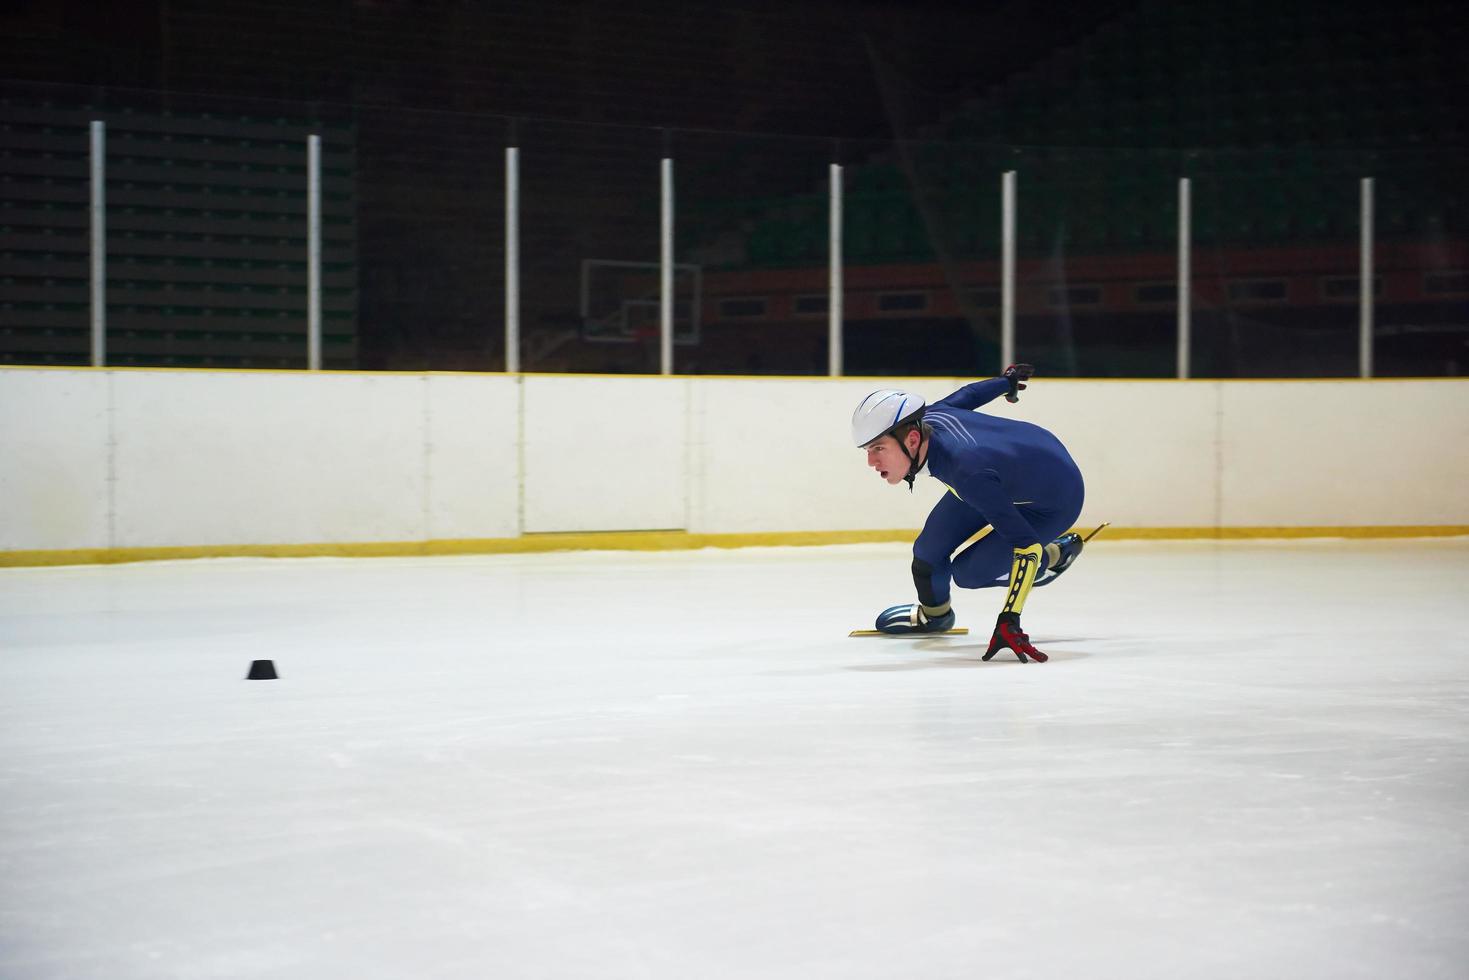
[[1012, 476]]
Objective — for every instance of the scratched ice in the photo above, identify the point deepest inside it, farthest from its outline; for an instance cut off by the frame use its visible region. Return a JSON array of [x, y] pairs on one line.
[[1243, 760]]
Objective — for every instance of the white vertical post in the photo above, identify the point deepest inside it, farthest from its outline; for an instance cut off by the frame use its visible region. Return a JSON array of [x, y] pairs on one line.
[[99, 244], [834, 278], [313, 252], [512, 259], [1007, 269], [1185, 273], [665, 271], [1366, 294]]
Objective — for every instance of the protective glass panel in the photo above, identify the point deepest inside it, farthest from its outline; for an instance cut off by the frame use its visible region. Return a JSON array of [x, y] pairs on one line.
[[1276, 249], [1421, 263], [431, 211], [206, 239], [589, 248], [1097, 270], [921, 234], [753, 229]]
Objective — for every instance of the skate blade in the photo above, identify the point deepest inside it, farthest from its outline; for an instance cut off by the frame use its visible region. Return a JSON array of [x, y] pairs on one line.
[[956, 631]]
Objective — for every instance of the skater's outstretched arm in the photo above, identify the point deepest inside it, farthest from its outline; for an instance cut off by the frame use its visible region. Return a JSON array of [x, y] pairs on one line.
[[979, 393], [974, 395]]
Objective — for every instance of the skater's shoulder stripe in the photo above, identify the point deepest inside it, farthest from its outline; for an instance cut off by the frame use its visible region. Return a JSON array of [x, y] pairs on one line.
[[950, 425]]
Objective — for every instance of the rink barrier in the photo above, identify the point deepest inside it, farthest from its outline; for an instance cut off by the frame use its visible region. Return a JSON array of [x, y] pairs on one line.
[[109, 465], [663, 541]]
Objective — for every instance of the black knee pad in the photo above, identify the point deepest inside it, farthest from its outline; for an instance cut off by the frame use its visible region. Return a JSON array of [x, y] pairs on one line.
[[923, 580]]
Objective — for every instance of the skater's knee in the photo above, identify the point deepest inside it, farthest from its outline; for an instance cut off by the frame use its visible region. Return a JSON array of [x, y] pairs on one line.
[[932, 556], [972, 578], [923, 580], [983, 565]]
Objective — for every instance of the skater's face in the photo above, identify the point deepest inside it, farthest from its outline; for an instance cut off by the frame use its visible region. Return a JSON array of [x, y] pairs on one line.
[[887, 457]]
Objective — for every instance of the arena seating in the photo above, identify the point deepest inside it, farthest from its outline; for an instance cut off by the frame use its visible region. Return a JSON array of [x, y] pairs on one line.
[[206, 230], [1274, 110]]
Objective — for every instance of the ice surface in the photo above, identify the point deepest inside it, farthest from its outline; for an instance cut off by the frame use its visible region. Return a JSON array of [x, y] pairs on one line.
[[1243, 760]]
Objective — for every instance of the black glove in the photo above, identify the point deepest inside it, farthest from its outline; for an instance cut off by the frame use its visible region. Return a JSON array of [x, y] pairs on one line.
[[1017, 375]]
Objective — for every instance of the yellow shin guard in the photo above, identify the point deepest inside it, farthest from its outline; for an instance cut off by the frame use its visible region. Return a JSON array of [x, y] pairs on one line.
[[1023, 570]]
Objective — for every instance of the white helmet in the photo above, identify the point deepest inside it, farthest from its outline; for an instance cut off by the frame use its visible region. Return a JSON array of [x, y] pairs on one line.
[[883, 411], [880, 413]]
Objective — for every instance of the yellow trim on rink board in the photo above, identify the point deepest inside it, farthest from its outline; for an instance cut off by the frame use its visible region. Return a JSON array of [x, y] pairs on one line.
[[1245, 533], [659, 541], [587, 541]]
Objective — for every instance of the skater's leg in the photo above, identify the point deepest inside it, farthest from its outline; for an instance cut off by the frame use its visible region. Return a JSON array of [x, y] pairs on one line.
[[986, 563], [949, 525], [1061, 545]]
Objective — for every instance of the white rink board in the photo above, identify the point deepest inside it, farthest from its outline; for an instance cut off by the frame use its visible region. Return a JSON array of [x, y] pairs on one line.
[[1147, 450], [239, 458], [1345, 453], [777, 455], [98, 459], [473, 471], [54, 460], [605, 454]]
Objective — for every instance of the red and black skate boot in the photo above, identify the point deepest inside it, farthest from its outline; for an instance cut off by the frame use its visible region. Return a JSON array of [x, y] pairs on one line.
[[1008, 636]]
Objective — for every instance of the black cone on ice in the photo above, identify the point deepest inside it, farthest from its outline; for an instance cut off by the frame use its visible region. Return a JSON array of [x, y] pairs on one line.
[[262, 670]]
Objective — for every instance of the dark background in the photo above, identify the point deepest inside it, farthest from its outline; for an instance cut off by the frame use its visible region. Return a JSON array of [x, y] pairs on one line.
[[1274, 109], [755, 66]]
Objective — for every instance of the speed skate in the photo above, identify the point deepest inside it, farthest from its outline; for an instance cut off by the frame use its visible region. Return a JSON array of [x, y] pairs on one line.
[[955, 631]]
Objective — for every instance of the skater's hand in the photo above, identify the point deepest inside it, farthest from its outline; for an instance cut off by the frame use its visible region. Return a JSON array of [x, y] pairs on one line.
[[1009, 636], [1017, 374]]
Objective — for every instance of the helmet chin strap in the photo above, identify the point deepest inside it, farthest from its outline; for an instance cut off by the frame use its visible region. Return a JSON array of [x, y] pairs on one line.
[[912, 459]]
